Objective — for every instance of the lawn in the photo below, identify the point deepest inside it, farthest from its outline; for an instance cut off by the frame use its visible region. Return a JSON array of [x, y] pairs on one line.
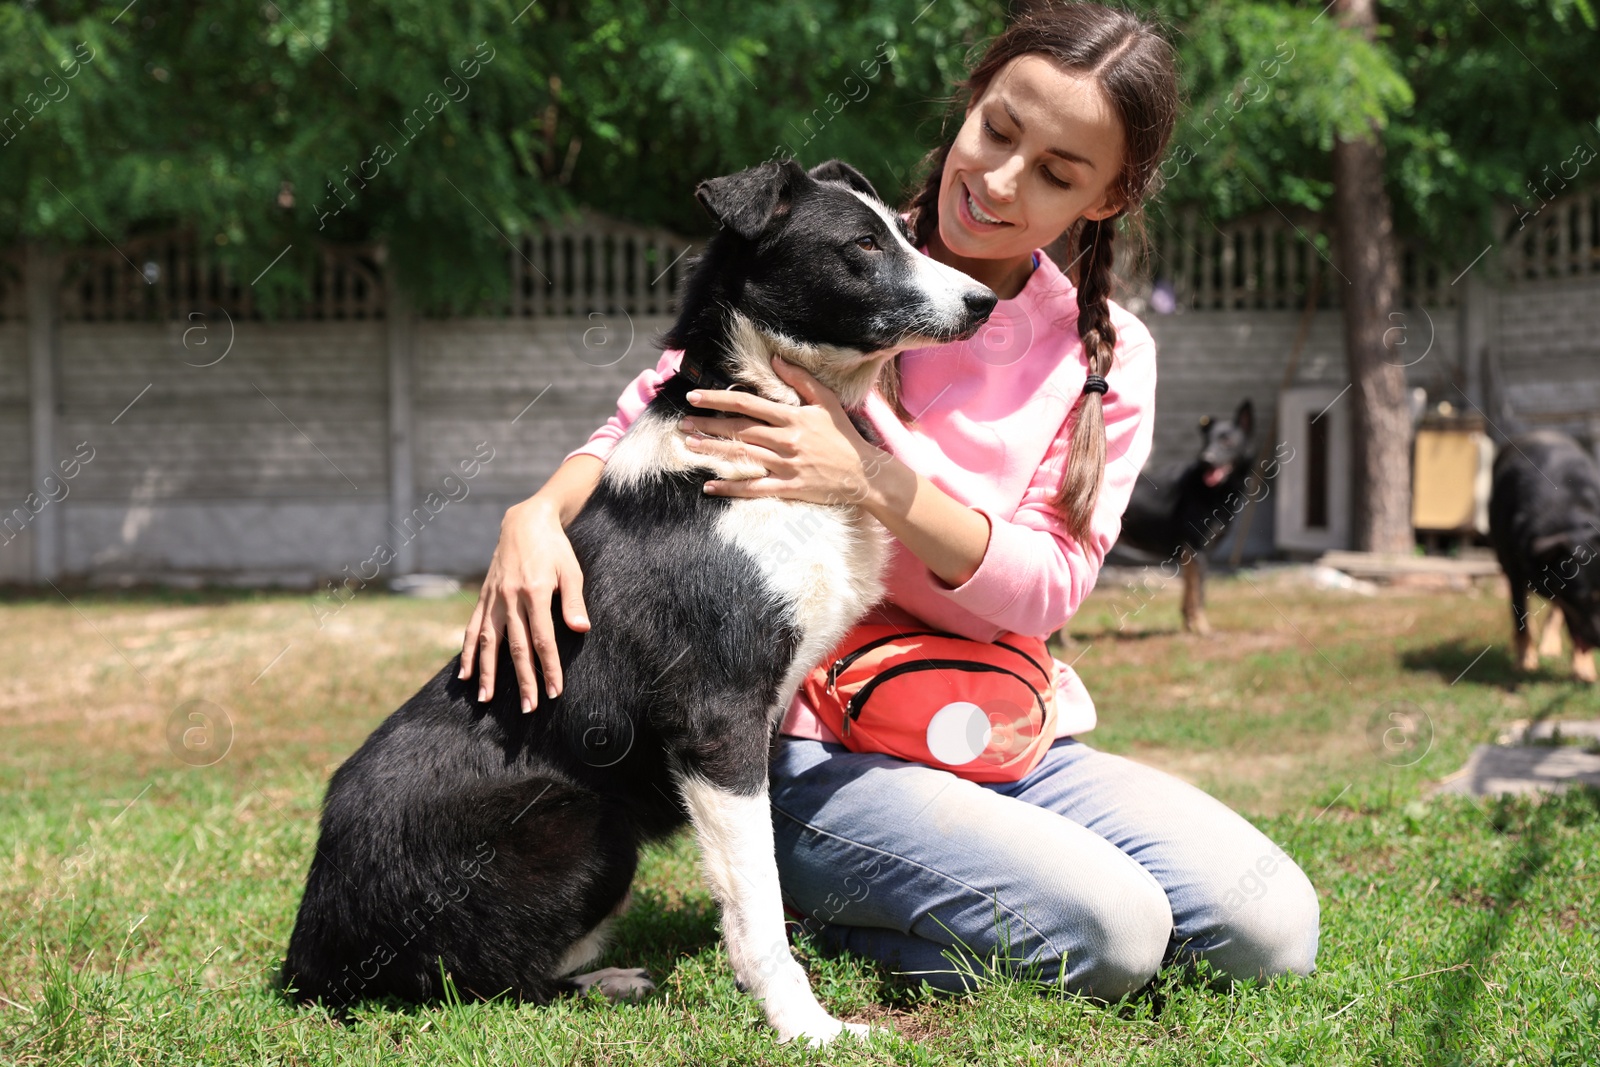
[[154, 859]]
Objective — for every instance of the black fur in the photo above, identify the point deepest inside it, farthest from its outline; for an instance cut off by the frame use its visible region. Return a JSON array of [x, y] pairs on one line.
[[1544, 520], [472, 840], [541, 807], [1182, 511], [1175, 508], [804, 272]]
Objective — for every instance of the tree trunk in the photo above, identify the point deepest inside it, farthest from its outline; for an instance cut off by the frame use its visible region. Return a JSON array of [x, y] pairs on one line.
[[1382, 423]]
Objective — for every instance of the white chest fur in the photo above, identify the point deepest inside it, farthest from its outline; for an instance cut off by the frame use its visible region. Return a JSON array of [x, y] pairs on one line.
[[823, 564], [653, 444]]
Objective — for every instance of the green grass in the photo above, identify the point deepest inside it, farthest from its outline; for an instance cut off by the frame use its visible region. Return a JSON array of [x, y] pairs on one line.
[[145, 902]]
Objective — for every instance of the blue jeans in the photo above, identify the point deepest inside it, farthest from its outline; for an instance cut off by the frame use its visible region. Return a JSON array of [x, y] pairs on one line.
[[1090, 873]]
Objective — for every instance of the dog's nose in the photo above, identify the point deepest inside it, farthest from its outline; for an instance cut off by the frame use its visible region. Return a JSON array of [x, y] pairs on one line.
[[980, 302]]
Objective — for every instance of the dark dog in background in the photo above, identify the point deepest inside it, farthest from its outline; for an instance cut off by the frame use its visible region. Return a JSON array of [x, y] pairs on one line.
[[1181, 511], [469, 840], [1544, 520]]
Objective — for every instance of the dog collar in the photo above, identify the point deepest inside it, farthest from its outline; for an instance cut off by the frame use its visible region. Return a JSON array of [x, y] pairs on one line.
[[702, 375], [698, 375]]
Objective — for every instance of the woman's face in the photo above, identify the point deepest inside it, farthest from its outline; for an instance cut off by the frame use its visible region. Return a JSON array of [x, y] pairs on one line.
[[1038, 150]]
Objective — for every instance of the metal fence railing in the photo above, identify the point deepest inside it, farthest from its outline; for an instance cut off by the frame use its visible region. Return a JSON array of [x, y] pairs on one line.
[[1558, 239], [1270, 261], [591, 263]]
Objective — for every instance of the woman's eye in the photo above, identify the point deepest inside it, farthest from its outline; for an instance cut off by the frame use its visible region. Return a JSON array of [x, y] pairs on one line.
[[1053, 180], [992, 132], [867, 243]]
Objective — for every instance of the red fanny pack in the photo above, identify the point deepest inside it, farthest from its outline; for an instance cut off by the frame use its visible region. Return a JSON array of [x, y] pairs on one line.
[[982, 710]]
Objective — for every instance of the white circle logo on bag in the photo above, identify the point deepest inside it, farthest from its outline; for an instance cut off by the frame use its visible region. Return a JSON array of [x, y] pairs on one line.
[[958, 733]]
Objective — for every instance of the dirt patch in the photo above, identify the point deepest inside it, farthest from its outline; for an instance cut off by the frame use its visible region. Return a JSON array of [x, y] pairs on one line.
[[917, 1025]]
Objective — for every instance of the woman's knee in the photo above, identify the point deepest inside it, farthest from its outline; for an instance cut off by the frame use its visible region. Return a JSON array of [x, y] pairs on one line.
[[1101, 927], [1271, 934], [1106, 946], [1119, 943]]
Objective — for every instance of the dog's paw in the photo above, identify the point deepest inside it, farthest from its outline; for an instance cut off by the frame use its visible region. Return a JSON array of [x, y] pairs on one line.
[[617, 983]]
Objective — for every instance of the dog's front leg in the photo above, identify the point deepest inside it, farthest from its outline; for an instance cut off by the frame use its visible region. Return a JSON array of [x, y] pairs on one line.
[[1583, 662], [1550, 636], [1194, 596], [735, 835]]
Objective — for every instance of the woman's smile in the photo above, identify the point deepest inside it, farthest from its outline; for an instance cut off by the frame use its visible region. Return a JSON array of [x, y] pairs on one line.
[[974, 215]]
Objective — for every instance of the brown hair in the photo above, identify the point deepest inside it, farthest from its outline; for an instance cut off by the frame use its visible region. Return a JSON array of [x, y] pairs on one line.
[[1134, 67]]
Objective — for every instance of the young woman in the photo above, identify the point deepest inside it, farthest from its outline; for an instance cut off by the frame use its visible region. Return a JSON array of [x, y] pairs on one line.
[[1007, 462]]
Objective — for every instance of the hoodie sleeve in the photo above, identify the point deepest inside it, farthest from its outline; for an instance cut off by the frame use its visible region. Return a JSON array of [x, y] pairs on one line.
[[634, 399], [1034, 575]]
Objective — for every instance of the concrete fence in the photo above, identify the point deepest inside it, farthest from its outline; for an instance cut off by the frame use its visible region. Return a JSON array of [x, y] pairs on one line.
[[1512, 336], [153, 426]]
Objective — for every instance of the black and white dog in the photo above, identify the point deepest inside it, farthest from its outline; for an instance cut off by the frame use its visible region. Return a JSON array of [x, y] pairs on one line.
[[474, 841], [1182, 511]]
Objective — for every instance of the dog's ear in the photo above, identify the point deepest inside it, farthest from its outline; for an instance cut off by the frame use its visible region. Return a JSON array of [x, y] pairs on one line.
[[1205, 425], [748, 202], [837, 170], [1245, 418]]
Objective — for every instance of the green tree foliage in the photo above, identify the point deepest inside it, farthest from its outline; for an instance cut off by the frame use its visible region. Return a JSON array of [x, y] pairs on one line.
[[268, 128], [1476, 101], [445, 130], [1507, 111], [1267, 87], [664, 94], [442, 130]]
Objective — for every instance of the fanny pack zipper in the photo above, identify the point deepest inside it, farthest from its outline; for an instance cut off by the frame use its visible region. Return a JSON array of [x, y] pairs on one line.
[[856, 704], [1048, 675], [840, 664]]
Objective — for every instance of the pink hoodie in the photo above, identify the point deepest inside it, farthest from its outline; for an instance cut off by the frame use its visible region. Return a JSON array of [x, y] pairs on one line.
[[991, 430]]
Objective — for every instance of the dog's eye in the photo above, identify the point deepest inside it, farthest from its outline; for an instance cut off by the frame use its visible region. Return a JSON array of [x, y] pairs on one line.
[[868, 243]]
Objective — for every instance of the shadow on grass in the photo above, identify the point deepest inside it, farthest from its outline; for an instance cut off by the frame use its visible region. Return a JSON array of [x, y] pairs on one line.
[[652, 934], [1460, 661], [81, 593], [655, 933], [1110, 633], [1457, 661], [903, 994], [146, 595]]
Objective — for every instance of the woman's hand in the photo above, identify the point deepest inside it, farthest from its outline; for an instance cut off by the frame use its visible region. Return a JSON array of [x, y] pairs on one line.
[[811, 452], [532, 562]]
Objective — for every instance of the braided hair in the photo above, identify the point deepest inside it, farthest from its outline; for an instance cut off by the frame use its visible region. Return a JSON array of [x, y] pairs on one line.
[[1134, 67]]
